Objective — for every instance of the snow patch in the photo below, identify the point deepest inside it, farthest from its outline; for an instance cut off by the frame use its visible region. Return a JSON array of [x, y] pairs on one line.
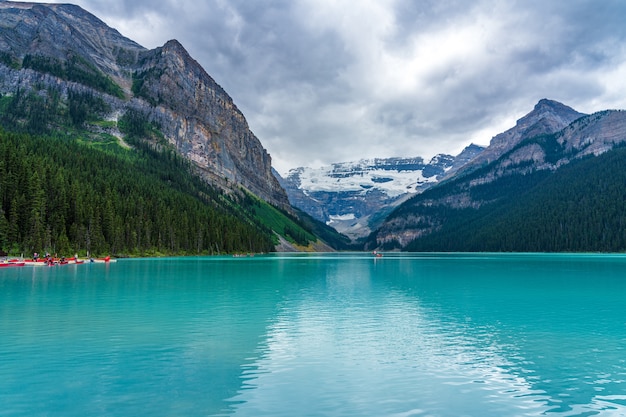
[[341, 217], [363, 176]]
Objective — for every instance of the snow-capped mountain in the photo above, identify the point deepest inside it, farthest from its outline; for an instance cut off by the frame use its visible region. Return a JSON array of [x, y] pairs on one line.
[[354, 196]]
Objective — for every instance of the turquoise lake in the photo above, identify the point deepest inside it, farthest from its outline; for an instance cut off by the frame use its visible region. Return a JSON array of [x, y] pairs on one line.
[[317, 335]]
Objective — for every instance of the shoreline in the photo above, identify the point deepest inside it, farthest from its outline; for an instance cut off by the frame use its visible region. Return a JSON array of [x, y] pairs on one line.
[[18, 262]]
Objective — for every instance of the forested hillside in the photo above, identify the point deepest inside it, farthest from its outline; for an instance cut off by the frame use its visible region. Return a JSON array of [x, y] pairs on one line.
[[579, 208], [69, 183], [60, 195]]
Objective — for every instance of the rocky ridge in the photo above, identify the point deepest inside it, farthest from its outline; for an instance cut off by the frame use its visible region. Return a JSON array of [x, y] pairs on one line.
[[548, 116], [165, 85]]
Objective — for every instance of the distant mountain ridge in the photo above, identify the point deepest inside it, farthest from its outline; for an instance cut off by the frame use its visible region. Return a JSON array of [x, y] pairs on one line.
[[548, 116], [516, 163], [353, 196], [61, 47]]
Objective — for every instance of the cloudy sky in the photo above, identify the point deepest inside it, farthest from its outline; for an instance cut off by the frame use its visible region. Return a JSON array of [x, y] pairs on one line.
[[324, 81]]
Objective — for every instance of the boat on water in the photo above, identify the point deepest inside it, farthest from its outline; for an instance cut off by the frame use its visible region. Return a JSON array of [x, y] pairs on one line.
[[12, 263], [106, 259], [51, 261]]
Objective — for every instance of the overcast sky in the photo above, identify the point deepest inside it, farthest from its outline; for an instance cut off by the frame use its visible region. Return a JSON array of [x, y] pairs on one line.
[[324, 81]]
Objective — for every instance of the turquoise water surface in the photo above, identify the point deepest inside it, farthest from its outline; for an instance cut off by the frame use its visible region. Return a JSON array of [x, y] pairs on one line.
[[317, 335]]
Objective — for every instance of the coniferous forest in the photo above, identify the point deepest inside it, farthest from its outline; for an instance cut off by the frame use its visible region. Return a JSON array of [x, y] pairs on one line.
[[579, 208], [62, 196]]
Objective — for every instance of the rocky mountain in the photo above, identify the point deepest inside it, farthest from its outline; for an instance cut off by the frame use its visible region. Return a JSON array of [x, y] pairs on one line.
[[516, 163], [548, 116], [353, 196], [56, 51]]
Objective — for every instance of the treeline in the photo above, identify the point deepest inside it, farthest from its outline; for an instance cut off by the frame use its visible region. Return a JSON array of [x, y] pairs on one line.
[[43, 111], [326, 233], [62, 196], [579, 208], [76, 69]]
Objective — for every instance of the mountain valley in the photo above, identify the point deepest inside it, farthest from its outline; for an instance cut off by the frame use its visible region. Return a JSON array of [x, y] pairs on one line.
[[109, 147]]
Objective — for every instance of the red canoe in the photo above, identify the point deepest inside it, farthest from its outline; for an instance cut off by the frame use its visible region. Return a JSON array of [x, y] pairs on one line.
[[11, 263]]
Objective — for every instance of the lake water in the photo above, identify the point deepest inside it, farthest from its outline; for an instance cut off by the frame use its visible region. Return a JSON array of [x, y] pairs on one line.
[[317, 335]]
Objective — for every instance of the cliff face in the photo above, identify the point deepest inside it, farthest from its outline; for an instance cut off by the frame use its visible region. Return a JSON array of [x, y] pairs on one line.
[[205, 125], [165, 84]]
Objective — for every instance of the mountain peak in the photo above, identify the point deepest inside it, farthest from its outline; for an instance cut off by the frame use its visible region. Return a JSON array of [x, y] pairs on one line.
[[548, 116], [551, 109], [551, 106], [546, 102], [174, 45]]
